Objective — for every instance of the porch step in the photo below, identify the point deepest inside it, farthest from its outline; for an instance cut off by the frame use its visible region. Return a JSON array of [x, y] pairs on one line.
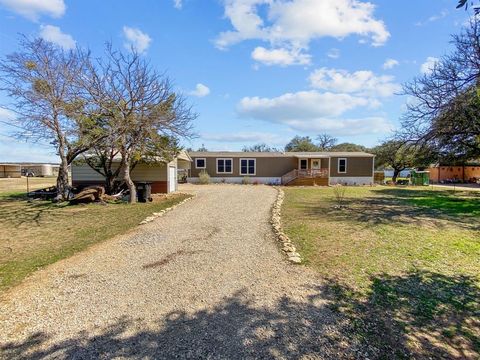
[[319, 181]]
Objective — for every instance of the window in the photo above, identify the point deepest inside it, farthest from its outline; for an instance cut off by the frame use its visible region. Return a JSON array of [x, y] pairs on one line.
[[342, 165], [200, 163], [303, 164], [248, 166], [224, 166]]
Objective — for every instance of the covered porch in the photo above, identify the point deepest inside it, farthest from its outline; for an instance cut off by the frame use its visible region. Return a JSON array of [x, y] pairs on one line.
[[310, 170]]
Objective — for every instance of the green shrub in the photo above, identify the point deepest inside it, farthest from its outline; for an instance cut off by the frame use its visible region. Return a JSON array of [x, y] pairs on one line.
[[204, 178], [246, 180]]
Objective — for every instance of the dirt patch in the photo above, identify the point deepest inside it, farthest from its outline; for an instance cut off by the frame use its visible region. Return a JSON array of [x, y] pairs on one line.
[[167, 259], [77, 276]]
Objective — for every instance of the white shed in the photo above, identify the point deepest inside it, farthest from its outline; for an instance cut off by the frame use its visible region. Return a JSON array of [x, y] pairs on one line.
[[162, 175]]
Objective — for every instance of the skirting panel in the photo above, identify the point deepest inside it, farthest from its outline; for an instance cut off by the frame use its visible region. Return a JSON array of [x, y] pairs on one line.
[[357, 180], [239, 180]]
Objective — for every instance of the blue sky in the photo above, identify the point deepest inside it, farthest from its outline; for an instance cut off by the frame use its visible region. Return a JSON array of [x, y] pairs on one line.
[[255, 70]]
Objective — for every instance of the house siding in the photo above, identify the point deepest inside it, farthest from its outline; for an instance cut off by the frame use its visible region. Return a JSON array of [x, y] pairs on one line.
[[356, 166], [268, 167], [274, 167]]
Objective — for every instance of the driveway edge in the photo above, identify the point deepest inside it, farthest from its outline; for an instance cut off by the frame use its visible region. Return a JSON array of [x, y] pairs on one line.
[[287, 246], [164, 211]]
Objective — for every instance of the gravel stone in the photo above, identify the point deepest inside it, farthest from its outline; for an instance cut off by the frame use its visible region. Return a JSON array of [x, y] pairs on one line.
[[205, 280]]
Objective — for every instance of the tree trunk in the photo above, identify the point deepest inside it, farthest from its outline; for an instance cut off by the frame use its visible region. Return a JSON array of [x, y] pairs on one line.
[[63, 185], [395, 175], [128, 180], [110, 183]]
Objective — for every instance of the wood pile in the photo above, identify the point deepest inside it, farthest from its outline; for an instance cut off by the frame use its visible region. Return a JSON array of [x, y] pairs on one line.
[[92, 194]]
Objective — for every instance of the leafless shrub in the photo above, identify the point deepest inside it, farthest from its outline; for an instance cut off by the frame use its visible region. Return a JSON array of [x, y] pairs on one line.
[[339, 192], [204, 178]]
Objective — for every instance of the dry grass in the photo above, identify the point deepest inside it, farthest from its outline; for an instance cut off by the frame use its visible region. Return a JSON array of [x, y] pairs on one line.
[[20, 184], [402, 263], [38, 233]]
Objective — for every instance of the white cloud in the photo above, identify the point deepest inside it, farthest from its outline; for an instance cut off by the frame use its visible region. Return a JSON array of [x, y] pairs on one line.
[[390, 64], [33, 9], [313, 111], [344, 127], [136, 39], [429, 64], [333, 53], [200, 90], [299, 105], [443, 14], [177, 4], [54, 35], [363, 82], [282, 57], [293, 24], [244, 137]]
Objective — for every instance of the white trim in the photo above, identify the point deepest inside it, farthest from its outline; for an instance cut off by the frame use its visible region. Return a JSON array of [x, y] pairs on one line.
[[216, 162], [300, 163], [338, 166], [329, 170], [204, 162], [169, 179], [254, 166]]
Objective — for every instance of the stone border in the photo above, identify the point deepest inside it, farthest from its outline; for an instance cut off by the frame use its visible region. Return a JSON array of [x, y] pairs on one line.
[[164, 211], [287, 246]]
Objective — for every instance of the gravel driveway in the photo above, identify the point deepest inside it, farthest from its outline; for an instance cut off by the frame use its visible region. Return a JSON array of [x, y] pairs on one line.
[[205, 281]]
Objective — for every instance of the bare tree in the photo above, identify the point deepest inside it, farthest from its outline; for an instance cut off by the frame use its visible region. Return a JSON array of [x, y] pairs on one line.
[[465, 3], [259, 148], [142, 108], [325, 142], [104, 158], [41, 80], [443, 110]]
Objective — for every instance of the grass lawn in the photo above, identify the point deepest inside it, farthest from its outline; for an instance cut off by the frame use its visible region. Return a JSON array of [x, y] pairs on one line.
[[402, 263], [20, 184], [38, 233]]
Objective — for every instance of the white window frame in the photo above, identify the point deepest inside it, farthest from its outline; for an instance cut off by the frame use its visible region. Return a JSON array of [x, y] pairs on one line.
[[338, 166], [216, 161], [254, 166], [204, 162]]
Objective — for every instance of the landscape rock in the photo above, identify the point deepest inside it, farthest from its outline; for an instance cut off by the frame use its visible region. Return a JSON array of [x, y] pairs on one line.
[[287, 245], [164, 211]]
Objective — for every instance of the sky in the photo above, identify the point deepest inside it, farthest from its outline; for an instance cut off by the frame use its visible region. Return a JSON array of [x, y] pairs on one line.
[[255, 71]]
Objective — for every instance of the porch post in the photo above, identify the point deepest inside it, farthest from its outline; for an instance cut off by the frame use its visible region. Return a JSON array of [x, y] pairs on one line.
[[329, 169]]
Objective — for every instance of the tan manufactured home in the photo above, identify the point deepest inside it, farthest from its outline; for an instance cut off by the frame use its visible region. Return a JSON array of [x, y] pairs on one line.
[[286, 168], [162, 175], [10, 170]]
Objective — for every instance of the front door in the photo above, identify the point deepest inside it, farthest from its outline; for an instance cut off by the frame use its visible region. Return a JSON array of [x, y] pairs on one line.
[[316, 164]]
